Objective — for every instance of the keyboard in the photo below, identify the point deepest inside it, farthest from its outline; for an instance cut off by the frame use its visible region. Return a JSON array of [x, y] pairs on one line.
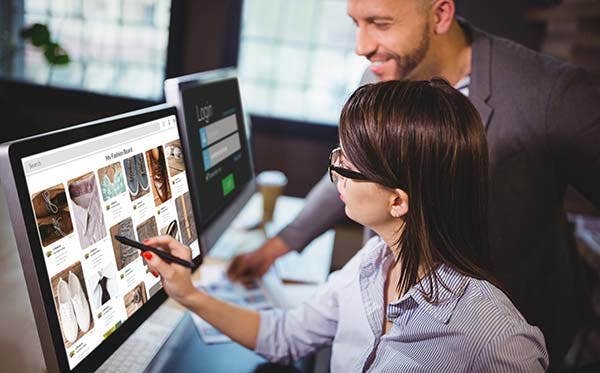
[[136, 353]]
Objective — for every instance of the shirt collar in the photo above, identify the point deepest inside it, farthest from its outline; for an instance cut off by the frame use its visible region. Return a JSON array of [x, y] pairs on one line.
[[456, 284], [374, 255], [378, 256]]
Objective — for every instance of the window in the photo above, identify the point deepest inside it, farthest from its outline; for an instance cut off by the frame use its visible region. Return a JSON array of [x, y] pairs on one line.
[[117, 47], [297, 59]]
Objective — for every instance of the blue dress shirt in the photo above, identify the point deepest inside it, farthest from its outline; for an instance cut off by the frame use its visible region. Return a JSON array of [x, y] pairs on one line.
[[473, 328]]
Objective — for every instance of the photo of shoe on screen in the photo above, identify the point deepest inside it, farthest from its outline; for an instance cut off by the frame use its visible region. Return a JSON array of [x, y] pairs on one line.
[[175, 160], [72, 305], [112, 182], [158, 175], [136, 176], [52, 214], [87, 210]]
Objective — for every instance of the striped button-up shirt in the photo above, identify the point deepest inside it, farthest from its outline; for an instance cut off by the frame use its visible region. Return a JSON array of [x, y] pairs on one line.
[[473, 328]]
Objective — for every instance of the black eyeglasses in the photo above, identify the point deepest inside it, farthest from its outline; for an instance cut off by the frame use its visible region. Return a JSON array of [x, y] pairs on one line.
[[334, 158]]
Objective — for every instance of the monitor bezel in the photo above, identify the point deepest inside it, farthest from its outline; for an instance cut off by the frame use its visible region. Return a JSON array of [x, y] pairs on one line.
[[30, 249]]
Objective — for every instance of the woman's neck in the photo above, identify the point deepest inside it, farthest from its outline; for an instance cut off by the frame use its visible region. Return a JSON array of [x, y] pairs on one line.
[[390, 233]]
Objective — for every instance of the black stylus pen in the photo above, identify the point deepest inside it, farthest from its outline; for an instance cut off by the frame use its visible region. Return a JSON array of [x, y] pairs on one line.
[[162, 254]]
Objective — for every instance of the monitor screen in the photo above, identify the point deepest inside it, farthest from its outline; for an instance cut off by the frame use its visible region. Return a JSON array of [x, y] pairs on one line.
[[216, 141], [130, 182]]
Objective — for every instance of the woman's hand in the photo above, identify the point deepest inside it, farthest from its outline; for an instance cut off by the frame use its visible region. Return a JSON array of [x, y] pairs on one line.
[[238, 323], [176, 279]]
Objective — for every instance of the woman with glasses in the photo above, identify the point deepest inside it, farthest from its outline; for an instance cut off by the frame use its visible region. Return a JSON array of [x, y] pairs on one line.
[[412, 166]]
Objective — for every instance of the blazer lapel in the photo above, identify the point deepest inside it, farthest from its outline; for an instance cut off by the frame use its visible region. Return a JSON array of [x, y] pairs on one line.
[[480, 87]]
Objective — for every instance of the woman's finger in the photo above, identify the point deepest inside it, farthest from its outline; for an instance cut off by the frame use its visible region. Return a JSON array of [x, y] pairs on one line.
[[152, 270], [158, 265]]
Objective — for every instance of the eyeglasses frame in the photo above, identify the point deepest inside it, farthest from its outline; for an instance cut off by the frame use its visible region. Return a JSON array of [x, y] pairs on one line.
[[344, 172]]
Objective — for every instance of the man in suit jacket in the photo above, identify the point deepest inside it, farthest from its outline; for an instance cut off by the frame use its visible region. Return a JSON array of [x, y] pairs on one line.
[[542, 121]]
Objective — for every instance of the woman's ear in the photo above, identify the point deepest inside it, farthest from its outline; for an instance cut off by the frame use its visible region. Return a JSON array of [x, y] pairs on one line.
[[399, 203]]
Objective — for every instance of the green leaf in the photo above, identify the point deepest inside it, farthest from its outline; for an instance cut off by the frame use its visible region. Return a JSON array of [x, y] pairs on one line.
[[55, 55], [38, 33]]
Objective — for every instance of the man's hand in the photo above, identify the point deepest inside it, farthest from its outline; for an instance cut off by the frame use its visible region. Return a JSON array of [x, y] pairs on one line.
[[252, 265]]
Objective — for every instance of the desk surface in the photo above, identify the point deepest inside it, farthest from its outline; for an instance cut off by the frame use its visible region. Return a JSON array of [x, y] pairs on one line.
[[19, 341], [185, 351]]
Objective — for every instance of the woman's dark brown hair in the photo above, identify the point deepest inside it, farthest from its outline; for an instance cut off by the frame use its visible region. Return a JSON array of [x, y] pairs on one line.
[[427, 139]]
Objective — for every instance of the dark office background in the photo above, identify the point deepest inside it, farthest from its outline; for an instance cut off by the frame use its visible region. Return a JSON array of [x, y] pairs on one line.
[[205, 35]]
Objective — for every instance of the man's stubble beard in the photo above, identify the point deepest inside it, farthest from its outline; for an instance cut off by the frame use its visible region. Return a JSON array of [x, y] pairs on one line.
[[407, 64]]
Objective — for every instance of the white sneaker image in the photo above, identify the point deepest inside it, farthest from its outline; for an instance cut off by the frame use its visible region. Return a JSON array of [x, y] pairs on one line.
[[67, 314], [80, 304]]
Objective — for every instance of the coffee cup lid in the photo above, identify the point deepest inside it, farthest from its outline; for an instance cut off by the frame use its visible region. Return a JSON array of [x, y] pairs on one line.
[[271, 177]]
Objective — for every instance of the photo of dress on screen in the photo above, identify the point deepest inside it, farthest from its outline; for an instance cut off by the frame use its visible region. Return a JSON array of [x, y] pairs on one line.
[[112, 181], [52, 214], [136, 176], [87, 209], [187, 228], [72, 305], [104, 285], [158, 175], [124, 254]]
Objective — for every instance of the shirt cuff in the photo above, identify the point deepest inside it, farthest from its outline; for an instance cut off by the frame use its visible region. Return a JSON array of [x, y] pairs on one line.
[[266, 340]]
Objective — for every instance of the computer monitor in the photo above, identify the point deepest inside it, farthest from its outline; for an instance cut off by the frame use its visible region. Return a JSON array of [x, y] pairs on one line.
[[69, 192], [216, 145]]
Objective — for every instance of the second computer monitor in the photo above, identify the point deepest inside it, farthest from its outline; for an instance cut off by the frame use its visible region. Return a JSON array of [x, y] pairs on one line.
[[217, 147]]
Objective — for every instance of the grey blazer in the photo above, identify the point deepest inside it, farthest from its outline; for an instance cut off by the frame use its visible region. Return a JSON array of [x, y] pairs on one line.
[[542, 119]]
